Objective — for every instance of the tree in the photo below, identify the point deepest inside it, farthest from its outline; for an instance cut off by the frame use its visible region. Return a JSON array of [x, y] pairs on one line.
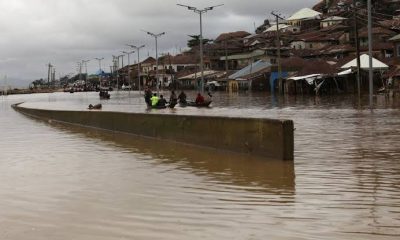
[[38, 83], [195, 41]]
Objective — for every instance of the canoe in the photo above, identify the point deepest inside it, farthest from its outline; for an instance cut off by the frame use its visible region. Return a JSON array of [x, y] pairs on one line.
[[194, 104], [104, 95]]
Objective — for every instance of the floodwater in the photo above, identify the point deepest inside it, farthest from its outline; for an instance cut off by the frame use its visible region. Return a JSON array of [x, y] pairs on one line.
[[64, 182]]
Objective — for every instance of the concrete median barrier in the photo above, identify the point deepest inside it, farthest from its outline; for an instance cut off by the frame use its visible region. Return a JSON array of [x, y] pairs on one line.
[[264, 137]]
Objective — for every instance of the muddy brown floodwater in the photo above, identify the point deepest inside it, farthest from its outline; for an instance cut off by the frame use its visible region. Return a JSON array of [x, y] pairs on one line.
[[64, 182]]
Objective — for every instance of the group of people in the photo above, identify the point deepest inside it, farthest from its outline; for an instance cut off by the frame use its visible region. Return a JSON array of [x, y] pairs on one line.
[[153, 100], [200, 99]]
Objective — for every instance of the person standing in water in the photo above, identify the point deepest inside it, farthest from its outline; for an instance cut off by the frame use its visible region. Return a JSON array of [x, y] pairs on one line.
[[182, 98]]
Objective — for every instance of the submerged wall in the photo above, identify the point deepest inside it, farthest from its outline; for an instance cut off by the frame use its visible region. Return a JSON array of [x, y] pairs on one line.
[[265, 137]]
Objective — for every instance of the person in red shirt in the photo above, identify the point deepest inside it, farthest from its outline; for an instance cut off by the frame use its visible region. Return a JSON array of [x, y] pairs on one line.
[[199, 99]]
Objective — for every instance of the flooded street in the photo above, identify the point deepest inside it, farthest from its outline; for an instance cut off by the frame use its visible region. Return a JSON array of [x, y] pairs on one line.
[[65, 182]]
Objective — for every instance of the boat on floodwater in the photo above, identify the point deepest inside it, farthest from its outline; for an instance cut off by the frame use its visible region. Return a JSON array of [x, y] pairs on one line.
[[194, 104], [104, 95]]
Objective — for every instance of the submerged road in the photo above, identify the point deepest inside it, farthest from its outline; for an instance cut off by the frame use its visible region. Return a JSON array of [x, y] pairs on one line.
[[61, 182]]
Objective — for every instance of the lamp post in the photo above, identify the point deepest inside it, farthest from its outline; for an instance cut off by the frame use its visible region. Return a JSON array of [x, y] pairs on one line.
[[113, 67], [84, 62], [200, 12], [122, 60], [138, 60], [80, 70], [48, 74], [129, 67], [116, 63], [100, 73], [156, 36]]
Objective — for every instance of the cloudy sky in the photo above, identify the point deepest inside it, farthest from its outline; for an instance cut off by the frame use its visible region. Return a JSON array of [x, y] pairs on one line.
[[63, 32]]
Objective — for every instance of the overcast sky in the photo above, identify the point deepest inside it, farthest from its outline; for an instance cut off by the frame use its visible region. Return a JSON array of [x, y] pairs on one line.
[[63, 32]]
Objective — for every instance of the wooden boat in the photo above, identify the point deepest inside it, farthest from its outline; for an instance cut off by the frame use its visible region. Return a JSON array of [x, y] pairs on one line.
[[104, 95], [194, 104]]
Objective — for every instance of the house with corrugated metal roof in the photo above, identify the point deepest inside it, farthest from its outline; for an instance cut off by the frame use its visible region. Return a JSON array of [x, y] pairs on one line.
[[253, 76], [305, 18]]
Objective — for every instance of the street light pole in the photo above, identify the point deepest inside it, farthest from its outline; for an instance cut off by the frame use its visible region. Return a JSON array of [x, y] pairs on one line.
[[129, 68], [200, 12], [138, 60], [84, 62], [100, 72], [48, 74], [117, 68], [80, 70], [156, 36]]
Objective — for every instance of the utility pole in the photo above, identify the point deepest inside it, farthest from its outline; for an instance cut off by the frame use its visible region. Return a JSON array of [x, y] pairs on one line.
[[138, 61], [200, 12], [277, 17], [357, 42], [371, 74]]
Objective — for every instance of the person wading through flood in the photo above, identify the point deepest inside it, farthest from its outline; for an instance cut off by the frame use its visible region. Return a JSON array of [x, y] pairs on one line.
[[147, 96], [154, 100], [173, 100], [161, 102]]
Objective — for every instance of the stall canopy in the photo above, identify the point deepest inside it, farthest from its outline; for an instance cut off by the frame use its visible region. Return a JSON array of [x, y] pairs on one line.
[[345, 72], [308, 78], [197, 75], [364, 59]]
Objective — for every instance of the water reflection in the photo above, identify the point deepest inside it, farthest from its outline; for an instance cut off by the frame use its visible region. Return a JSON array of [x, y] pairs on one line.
[[251, 172]]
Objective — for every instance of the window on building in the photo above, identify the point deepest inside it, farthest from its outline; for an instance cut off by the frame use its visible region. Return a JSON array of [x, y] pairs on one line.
[[311, 45], [398, 50]]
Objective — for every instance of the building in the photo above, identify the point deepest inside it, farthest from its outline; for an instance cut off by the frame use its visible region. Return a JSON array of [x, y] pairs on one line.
[[396, 45], [305, 18], [331, 21]]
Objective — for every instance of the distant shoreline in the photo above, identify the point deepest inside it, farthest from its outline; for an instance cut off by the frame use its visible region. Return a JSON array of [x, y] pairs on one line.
[[30, 91]]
